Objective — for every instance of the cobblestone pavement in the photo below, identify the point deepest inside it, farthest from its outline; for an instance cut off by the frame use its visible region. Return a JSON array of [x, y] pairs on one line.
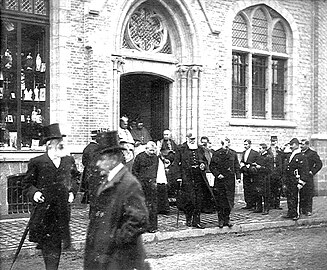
[[11, 230]]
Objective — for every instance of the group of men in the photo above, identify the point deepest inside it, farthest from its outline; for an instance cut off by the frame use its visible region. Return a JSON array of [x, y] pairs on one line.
[[127, 190], [273, 172]]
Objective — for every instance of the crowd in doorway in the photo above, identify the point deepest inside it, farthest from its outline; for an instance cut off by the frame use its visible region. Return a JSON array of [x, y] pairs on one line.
[[129, 179]]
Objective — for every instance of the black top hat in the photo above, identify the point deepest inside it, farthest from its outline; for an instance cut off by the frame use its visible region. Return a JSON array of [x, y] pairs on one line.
[[109, 141], [51, 132]]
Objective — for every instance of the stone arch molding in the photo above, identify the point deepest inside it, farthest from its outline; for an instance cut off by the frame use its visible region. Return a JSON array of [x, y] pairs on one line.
[[179, 21]]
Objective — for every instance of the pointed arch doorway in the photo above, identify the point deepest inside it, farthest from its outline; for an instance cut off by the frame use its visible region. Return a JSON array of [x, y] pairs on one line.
[[146, 96]]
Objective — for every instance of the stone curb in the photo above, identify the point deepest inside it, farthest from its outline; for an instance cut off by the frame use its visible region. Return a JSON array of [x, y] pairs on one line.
[[188, 233]]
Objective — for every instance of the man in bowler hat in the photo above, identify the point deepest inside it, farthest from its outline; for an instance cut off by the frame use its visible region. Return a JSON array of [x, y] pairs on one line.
[[51, 183], [119, 216]]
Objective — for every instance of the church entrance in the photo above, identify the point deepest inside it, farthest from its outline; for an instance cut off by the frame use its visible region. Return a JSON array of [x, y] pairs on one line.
[[146, 97]]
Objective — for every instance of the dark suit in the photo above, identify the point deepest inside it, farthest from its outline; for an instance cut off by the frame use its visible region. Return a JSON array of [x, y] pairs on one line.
[[225, 162], [265, 160], [88, 161], [297, 165], [119, 218], [50, 223], [249, 178], [194, 181], [306, 193]]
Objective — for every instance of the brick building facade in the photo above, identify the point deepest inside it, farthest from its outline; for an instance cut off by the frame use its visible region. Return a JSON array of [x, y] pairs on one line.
[[241, 69]]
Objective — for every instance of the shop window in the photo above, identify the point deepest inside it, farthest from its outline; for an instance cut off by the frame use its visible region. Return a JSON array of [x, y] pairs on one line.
[[24, 76], [258, 90]]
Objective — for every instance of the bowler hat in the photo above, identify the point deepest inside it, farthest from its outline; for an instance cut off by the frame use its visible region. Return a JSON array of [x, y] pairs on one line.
[[109, 141], [294, 140], [51, 132]]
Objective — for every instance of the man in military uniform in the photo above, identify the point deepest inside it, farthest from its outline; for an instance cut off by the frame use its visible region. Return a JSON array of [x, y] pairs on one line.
[[191, 163], [296, 176], [225, 167], [315, 165]]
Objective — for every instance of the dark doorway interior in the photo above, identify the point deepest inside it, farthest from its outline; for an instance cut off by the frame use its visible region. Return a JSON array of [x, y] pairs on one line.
[[147, 97]]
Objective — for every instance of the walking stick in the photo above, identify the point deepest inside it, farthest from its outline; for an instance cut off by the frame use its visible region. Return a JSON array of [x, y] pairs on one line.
[[22, 240], [178, 195]]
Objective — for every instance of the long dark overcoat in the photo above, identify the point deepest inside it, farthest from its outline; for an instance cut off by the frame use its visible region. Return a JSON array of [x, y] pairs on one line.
[[227, 164], [183, 168], [50, 221], [119, 218]]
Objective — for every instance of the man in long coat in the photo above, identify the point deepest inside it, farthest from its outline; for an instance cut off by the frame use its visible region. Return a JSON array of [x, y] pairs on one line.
[[145, 169], [120, 216], [51, 184], [315, 165], [264, 166], [249, 157], [296, 176], [226, 169], [190, 165]]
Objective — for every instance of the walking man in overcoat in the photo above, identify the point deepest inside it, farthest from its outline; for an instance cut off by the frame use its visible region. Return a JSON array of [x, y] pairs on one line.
[[315, 165], [226, 169], [51, 184], [120, 216], [296, 176], [190, 164]]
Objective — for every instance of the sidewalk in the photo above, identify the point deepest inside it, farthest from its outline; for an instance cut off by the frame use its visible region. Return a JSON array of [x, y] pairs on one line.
[[11, 230]]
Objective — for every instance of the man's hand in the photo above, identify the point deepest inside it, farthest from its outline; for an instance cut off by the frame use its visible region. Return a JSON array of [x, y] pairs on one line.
[[242, 164], [38, 197], [299, 186], [71, 197], [220, 176]]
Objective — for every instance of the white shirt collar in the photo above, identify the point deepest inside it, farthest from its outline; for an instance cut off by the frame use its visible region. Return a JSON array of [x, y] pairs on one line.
[[114, 171]]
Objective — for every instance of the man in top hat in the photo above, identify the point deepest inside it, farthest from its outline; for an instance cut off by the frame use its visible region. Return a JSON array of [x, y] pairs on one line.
[[88, 161], [296, 176], [119, 216], [190, 165], [315, 165], [51, 183]]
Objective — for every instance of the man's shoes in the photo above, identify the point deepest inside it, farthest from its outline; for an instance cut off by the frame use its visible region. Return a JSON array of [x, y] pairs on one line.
[[198, 226], [265, 213], [296, 217], [221, 224], [228, 224]]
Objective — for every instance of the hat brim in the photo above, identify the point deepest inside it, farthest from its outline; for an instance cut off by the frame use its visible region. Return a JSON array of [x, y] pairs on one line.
[[111, 149], [44, 140]]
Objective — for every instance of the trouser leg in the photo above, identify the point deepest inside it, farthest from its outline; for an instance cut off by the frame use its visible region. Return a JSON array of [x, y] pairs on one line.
[[51, 255]]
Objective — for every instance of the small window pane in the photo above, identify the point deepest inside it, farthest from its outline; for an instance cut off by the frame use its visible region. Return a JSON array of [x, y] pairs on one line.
[[260, 31], [279, 38], [259, 86], [238, 85], [278, 88], [240, 35]]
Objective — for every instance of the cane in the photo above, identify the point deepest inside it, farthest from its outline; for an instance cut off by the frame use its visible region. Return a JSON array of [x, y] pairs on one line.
[[178, 198], [22, 240]]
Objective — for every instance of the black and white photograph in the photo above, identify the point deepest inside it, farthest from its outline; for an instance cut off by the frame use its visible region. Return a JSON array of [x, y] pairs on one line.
[[163, 134]]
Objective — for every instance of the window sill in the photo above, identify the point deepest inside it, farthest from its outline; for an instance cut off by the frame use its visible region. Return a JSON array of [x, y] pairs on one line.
[[15, 155], [261, 123]]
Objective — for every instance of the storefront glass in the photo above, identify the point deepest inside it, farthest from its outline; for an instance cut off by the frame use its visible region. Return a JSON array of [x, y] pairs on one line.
[[24, 81]]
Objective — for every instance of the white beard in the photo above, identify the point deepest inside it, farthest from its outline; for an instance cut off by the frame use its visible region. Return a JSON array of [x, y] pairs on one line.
[[192, 146]]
